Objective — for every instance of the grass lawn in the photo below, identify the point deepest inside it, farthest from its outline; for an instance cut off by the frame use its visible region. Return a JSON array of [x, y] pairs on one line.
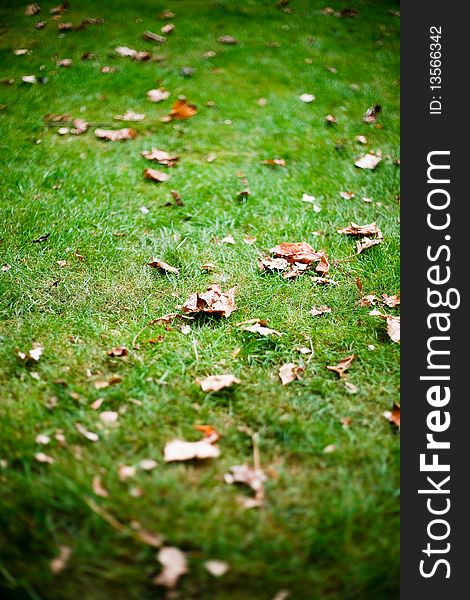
[[329, 526]]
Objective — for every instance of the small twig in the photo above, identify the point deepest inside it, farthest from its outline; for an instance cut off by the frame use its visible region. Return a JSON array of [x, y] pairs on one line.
[[256, 459]]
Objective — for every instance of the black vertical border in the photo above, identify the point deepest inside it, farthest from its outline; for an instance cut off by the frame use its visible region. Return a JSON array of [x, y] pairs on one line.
[[420, 134]]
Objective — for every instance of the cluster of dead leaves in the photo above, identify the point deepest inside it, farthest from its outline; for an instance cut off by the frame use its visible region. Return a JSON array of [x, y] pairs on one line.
[[213, 302], [370, 235], [294, 259]]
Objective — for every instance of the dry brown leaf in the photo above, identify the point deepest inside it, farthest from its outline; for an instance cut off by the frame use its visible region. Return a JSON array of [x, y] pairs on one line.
[[228, 239], [167, 14], [361, 230], [273, 264], [296, 253], [98, 488], [323, 266], [391, 301], [290, 372], [393, 324], [366, 243], [109, 417], [126, 472], [161, 157], [163, 266], [371, 114], [361, 139], [108, 69], [307, 98], [130, 115], [64, 62], [277, 162], [214, 301], [393, 416], [252, 477], [32, 9], [155, 175], [215, 383], [368, 300], [216, 568], [331, 119], [65, 26], [157, 95], [116, 135], [180, 450], [320, 310], [168, 28], [32, 355], [347, 195], [154, 37], [59, 563], [227, 40], [174, 565], [181, 109], [343, 365], [368, 161]]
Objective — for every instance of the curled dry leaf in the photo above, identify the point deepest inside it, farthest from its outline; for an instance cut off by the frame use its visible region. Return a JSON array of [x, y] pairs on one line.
[[366, 243], [92, 437], [155, 175], [163, 266], [276, 162], [44, 458], [331, 119], [64, 62], [343, 365], [180, 450], [119, 351], [252, 477], [181, 109], [130, 115], [362, 230], [368, 161], [216, 568], [215, 383], [98, 487], [154, 37], [214, 302], [228, 239], [296, 253], [320, 310], [393, 416], [307, 98], [371, 114], [168, 28], [290, 372], [347, 195], [157, 95], [116, 135], [65, 26], [174, 565], [29, 79], [32, 355], [361, 139], [161, 157], [32, 9], [108, 69], [391, 301], [393, 324], [227, 40], [59, 563], [368, 300]]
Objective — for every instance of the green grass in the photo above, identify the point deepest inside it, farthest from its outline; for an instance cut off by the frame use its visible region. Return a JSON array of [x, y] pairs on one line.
[[329, 528]]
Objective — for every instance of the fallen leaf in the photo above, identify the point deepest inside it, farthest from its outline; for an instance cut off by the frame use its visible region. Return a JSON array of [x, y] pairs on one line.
[[29, 79], [22, 51], [217, 568], [126, 472], [368, 161], [228, 40], [180, 450], [393, 416], [214, 301], [44, 458], [320, 310], [181, 109], [185, 329], [161, 157], [119, 351], [97, 404], [64, 62], [260, 329], [154, 37], [148, 464], [168, 28], [167, 14], [107, 69], [109, 417], [130, 115], [65, 26], [296, 253], [368, 300], [157, 95], [42, 439], [98, 488], [352, 389], [371, 114], [92, 437], [215, 383], [347, 195], [249, 240], [174, 565], [393, 324], [59, 563], [155, 175], [34, 354], [253, 478], [391, 301], [307, 98], [361, 230], [5, 267], [40, 25], [323, 266], [366, 243], [343, 365], [331, 119], [290, 372], [228, 239], [32, 9], [361, 139], [277, 162], [116, 135], [163, 266]]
